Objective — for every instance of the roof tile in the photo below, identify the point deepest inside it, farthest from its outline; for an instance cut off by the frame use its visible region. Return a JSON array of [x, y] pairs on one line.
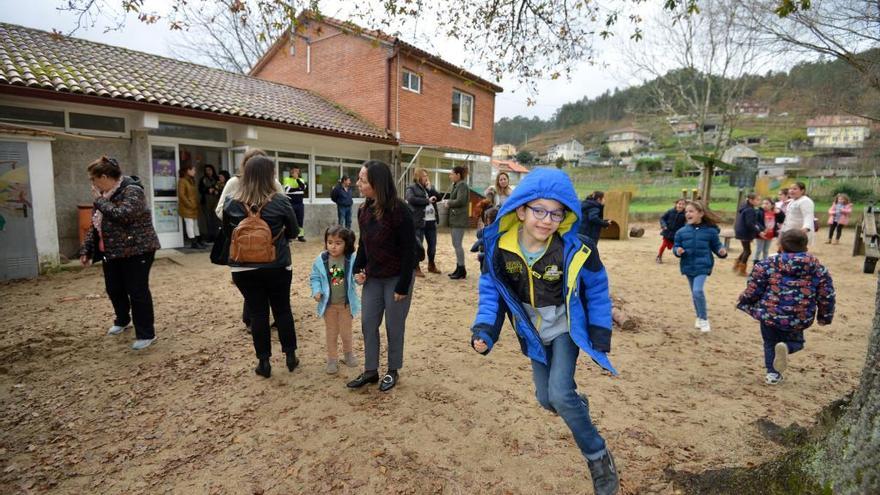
[[35, 58]]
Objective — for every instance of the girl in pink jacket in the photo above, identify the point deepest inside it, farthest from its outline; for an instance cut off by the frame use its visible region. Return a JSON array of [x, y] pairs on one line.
[[838, 216]]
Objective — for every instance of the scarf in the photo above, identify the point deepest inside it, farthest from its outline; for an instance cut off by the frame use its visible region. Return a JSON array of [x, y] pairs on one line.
[[98, 216]]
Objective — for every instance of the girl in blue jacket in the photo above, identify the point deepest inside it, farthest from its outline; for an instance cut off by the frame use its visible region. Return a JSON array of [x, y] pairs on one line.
[[694, 244], [550, 283], [333, 286]]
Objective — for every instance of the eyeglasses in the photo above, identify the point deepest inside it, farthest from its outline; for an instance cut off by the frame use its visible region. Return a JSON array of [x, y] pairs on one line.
[[540, 214]]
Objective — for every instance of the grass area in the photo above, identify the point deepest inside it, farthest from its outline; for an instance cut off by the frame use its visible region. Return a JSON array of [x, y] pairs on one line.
[[657, 193]]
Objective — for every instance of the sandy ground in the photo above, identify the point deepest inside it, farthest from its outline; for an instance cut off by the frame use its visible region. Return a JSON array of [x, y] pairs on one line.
[[82, 413]]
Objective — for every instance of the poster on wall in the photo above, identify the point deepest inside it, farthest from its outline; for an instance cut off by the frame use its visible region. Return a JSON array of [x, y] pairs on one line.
[[164, 177], [165, 218]]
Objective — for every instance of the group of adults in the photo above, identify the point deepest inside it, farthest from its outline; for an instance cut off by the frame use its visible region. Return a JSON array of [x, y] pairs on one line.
[[123, 238], [196, 202]]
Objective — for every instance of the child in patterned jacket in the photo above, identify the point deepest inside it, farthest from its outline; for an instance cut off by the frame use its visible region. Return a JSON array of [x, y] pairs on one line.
[[785, 293]]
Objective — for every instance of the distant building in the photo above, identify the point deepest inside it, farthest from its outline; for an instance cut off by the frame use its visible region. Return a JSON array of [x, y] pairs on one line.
[[514, 170], [684, 128], [740, 154], [838, 131], [751, 109], [570, 151], [626, 140], [503, 151]]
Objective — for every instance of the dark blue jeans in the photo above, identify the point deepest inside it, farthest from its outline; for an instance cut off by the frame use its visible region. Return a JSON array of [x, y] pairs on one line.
[[343, 214], [556, 391], [793, 340]]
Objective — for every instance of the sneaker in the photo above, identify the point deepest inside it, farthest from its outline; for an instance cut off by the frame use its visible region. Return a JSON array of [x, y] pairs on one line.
[[697, 323], [142, 343], [116, 329], [350, 360], [773, 378], [704, 326], [659, 260], [604, 474], [332, 368], [780, 362]]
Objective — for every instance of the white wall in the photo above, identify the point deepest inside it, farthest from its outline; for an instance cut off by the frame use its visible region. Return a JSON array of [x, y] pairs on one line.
[[42, 177]]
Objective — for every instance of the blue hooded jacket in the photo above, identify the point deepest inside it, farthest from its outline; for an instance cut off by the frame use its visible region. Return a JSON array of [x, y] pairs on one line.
[[588, 304], [699, 242], [319, 280]]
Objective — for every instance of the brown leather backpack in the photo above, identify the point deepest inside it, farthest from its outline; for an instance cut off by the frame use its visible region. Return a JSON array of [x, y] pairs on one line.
[[252, 240]]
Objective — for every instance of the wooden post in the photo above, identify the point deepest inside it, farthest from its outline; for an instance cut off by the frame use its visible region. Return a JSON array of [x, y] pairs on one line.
[[739, 197]]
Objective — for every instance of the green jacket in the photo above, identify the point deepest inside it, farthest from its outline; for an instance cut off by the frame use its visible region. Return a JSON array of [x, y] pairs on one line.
[[458, 205]]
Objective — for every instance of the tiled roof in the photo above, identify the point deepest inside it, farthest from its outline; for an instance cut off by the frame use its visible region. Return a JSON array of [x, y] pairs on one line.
[[511, 165], [39, 60]]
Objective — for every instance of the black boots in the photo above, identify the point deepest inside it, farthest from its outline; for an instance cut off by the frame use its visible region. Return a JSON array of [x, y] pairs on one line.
[[364, 378], [197, 243], [263, 368], [604, 474], [459, 273], [292, 361]]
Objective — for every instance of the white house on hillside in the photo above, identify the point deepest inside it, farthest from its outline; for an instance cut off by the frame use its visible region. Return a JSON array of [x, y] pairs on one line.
[[838, 131], [570, 151], [626, 140]]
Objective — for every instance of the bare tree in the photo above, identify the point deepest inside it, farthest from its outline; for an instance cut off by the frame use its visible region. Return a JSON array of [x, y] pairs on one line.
[[843, 29], [697, 69], [525, 39], [227, 37]]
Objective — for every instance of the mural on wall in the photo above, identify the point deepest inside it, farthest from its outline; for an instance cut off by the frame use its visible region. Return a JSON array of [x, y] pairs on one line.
[[14, 188]]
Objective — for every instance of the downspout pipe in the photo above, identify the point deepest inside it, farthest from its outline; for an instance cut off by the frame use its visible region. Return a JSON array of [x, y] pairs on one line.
[[390, 80]]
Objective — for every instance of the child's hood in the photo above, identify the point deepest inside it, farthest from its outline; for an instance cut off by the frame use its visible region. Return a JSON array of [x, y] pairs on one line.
[[542, 183], [796, 264]]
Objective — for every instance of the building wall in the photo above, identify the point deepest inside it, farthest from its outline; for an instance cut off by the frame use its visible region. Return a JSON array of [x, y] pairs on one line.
[[343, 68], [838, 137], [426, 117], [43, 199], [72, 186], [352, 71]]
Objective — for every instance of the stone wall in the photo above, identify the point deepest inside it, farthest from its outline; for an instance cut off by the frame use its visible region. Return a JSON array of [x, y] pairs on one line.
[[71, 157]]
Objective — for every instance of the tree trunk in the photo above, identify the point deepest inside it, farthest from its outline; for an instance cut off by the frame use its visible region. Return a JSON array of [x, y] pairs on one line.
[[849, 460]]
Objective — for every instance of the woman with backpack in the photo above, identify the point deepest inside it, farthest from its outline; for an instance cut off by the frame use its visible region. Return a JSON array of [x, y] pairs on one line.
[[258, 223]]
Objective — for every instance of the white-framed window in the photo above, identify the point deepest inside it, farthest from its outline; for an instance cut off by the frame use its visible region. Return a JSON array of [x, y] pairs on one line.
[[70, 121], [462, 109], [412, 81]]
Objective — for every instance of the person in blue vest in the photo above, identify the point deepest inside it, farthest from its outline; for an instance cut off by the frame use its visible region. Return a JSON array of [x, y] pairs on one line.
[[549, 281], [341, 195], [296, 190]]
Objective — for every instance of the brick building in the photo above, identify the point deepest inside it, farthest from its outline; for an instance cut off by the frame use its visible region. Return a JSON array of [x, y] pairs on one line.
[[441, 115]]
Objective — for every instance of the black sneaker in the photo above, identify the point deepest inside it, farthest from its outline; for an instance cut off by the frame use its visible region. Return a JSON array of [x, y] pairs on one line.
[[263, 368], [604, 474], [292, 361], [301, 239]]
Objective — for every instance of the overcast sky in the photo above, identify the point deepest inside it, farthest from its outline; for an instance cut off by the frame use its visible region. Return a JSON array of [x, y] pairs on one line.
[[587, 80]]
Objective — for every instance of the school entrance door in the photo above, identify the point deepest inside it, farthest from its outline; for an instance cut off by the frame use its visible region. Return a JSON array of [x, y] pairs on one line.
[[18, 242]]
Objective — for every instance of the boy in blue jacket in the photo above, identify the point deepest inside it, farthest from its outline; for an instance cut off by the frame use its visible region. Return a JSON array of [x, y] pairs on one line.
[[552, 285]]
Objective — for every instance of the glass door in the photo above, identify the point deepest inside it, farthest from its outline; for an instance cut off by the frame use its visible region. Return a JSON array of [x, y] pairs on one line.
[[164, 166]]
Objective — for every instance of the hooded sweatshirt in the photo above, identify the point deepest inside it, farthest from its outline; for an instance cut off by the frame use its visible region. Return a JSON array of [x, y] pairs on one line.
[[788, 291], [581, 278]]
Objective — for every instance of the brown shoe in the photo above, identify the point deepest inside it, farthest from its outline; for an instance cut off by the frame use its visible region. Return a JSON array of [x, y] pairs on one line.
[[419, 272], [836, 241], [828, 241], [742, 270], [736, 266], [432, 268]]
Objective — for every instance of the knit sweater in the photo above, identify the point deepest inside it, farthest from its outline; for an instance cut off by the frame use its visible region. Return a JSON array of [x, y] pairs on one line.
[[387, 245]]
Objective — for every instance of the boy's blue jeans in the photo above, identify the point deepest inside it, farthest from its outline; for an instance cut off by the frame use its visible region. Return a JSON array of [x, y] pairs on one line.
[[696, 283], [794, 340], [556, 391]]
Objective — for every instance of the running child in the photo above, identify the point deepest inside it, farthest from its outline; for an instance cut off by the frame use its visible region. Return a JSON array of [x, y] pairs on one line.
[[785, 293], [333, 286], [670, 222], [773, 218], [551, 284], [694, 244]]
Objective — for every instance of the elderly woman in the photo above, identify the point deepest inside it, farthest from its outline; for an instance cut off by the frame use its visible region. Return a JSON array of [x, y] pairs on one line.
[[123, 237]]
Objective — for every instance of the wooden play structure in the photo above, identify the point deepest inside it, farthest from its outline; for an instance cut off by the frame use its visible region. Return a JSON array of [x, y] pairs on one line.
[[867, 240], [617, 209]]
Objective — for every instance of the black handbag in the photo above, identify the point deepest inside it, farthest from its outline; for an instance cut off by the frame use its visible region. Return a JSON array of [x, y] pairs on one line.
[[220, 250]]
